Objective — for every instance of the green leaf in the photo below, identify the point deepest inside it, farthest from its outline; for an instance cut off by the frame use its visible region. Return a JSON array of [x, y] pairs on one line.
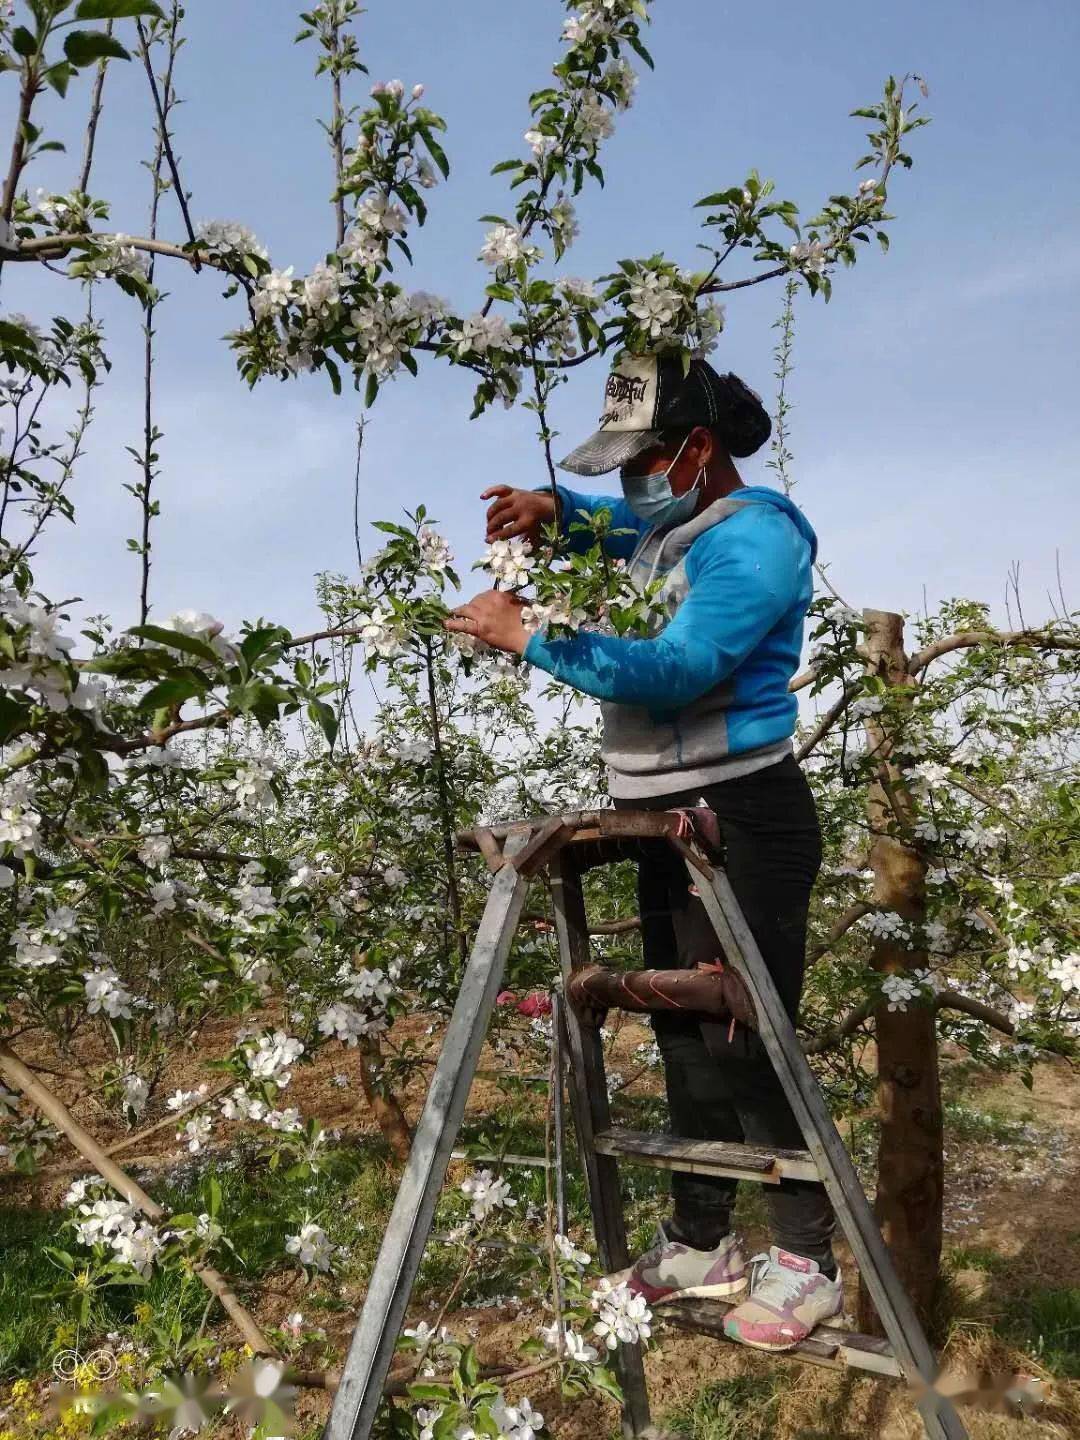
[[190, 644], [323, 716], [470, 1366], [436, 151], [604, 1381], [424, 1391], [58, 76], [173, 691], [85, 47], [23, 42], [371, 391], [117, 10], [259, 642], [94, 771]]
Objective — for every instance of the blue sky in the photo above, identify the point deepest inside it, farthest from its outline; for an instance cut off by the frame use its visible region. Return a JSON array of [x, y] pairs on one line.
[[936, 429]]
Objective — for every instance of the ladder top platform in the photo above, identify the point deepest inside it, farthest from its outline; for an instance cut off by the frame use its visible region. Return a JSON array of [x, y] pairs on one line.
[[588, 825], [598, 836]]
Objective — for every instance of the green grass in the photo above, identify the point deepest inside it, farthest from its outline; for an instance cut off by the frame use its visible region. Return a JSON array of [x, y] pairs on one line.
[[1046, 1322], [743, 1406], [968, 1122], [27, 1327], [351, 1197], [974, 1257]]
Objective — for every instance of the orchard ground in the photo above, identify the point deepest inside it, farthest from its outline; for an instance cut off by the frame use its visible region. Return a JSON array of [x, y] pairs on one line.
[[1009, 1302]]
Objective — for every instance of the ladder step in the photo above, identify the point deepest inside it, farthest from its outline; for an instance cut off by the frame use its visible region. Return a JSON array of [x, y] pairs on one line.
[[707, 1157], [835, 1349]]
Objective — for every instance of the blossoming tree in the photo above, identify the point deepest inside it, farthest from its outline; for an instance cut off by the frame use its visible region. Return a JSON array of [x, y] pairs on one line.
[[196, 834]]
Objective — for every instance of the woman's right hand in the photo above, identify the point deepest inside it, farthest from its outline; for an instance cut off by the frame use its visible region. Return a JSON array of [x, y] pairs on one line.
[[518, 512]]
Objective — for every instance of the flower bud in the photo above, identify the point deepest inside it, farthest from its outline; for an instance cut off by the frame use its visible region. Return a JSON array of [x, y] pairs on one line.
[[417, 91]]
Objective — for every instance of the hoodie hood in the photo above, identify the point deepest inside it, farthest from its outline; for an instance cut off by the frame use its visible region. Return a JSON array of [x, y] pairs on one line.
[[764, 495]]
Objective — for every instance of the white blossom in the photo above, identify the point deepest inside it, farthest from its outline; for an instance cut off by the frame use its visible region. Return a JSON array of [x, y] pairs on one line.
[[482, 333], [362, 247], [230, 235], [563, 218], [654, 302], [377, 212], [707, 325], [594, 121], [518, 1421], [344, 1022], [254, 901], [568, 1251], [509, 561], [79, 1189], [809, 255], [576, 290], [487, 1193], [899, 989], [273, 1056], [311, 1247], [32, 950], [505, 245], [196, 1132], [1065, 971], [138, 1247], [427, 308], [886, 925], [622, 81], [540, 144], [537, 617], [163, 894], [181, 1099], [273, 294], [251, 783], [136, 1093], [383, 324], [621, 1315], [434, 549], [415, 752], [106, 993], [155, 849], [321, 290]]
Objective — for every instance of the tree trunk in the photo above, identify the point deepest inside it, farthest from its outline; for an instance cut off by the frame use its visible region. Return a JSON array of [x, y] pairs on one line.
[[388, 1113], [910, 1162]]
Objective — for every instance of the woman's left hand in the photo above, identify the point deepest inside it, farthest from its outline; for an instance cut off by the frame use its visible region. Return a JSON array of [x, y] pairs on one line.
[[494, 617]]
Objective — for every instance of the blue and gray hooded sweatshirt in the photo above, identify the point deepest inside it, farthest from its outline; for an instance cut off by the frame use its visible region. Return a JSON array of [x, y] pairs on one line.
[[705, 696]]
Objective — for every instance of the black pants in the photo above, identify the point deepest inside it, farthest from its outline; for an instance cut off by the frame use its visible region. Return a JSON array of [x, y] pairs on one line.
[[720, 1088]]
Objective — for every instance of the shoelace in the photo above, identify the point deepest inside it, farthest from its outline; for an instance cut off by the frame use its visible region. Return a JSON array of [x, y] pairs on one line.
[[774, 1283]]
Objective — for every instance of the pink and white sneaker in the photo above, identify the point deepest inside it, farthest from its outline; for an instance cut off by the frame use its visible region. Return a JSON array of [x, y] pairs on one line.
[[672, 1270], [788, 1297]]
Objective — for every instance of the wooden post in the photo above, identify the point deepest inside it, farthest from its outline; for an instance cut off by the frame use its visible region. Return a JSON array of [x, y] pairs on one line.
[[910, 1162]]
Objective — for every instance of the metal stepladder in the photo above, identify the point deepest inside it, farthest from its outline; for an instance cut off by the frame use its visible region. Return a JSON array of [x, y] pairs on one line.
[[565, 846]]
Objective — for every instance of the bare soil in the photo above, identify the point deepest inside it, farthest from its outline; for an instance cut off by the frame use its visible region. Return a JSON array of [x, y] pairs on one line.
[[1022, 1206]]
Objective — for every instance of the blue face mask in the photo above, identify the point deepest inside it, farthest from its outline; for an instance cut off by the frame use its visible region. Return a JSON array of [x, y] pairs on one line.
[[651, 497]]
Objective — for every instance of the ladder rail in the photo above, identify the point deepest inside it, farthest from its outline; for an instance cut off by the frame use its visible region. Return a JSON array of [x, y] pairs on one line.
[[591, 1111], [374, 1340], [838, 1173]]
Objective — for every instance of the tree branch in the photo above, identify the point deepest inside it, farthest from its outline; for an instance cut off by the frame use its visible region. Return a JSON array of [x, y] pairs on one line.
[[840, 927], [968, 639], [825, 724], [57, 1112], [944, 1000]]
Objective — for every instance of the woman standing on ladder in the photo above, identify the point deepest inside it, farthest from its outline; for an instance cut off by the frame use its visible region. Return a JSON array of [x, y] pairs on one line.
[[699, 712]]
